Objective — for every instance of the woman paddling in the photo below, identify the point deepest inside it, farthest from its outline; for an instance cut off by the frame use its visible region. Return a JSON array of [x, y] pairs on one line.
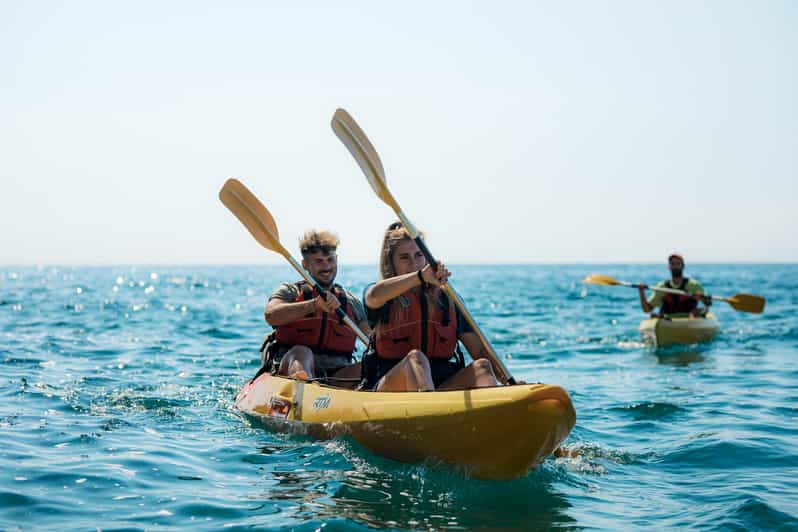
[[417, 327]]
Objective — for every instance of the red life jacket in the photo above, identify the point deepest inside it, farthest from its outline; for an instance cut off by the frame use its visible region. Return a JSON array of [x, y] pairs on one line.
[[325, 332], [413, 323], [675, 303]]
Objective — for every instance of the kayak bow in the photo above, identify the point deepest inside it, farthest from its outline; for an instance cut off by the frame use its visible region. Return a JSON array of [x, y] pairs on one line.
[[679, 330]]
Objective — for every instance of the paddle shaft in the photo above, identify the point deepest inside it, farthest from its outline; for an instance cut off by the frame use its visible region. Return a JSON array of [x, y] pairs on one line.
[[366, 156], [739, 302], [669, 291], [729, 300], [503, 372], [339, 311]]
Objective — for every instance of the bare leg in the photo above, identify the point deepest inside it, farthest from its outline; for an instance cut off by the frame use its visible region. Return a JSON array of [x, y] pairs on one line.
[[478, 374], [411, 374], [352, 372], [297, 363]]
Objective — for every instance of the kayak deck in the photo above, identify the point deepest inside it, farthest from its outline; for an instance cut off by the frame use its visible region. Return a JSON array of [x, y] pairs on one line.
[[492, 433], [679, 330]]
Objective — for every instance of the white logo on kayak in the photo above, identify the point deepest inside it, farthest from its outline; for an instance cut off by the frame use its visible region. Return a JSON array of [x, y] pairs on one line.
[[321, 402]]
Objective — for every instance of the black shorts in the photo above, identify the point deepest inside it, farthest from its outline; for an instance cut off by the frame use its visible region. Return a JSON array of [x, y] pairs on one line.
[[376, 368]]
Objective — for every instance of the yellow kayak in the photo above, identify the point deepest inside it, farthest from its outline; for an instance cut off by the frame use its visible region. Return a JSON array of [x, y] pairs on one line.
[[492, 433], [679, 330]]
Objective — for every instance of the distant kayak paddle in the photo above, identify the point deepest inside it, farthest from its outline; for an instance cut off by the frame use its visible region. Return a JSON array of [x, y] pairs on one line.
[[740, 302]]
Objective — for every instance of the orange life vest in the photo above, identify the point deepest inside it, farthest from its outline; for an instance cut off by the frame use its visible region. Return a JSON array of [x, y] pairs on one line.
[[413, 323], [675, 303], [325, 332]]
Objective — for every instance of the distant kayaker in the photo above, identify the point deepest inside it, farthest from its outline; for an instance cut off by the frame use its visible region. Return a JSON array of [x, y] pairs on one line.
[[309, 339], [417, 327], [670, 304]]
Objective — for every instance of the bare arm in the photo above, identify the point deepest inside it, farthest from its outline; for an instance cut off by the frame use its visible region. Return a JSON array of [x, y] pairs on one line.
[[473, 345], [279, 312], [699, 295], [388, 289], [643, 302]]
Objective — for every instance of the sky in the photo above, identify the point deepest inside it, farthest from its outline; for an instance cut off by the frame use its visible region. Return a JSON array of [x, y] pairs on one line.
[[510, 132]]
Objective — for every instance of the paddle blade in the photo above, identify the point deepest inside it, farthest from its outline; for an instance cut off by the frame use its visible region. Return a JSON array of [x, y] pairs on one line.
[[360, 147], [604, 280], [252, 213], [747, 303]]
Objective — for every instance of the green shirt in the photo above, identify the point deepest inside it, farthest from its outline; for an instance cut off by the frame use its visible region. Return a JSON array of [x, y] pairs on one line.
[[691, 287], [288, 292]]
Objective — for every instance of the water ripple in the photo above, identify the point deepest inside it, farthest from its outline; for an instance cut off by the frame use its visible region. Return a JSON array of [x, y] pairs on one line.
[[118, 386]]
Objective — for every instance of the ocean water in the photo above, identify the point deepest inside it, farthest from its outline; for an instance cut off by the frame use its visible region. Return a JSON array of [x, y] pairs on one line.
[[117, 387]]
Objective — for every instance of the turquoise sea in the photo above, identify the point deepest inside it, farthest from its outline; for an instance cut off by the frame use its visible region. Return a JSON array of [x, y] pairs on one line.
[[117, 388]]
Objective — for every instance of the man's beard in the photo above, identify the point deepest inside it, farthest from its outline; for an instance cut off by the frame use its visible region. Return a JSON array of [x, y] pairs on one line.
[[327, 284], [676, 273]]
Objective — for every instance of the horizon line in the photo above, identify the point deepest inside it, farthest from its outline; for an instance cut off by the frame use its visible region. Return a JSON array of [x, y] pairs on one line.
[[374, 264]]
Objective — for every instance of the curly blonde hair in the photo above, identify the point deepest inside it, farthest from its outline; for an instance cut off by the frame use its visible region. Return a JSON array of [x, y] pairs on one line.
[[394, 235], [313, 241]]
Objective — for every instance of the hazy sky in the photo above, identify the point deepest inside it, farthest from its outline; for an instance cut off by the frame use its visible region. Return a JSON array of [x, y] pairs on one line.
[[509, 131]]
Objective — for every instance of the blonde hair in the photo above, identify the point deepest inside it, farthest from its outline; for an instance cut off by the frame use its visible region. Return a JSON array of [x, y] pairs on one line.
[[394, 235], [313, 241]]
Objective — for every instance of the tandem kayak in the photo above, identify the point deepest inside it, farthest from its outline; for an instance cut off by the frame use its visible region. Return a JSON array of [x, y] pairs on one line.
[[491, 433], [679, 330]]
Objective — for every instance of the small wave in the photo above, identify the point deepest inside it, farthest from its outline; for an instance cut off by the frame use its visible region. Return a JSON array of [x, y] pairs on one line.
[[728, 455], [754, 513], [749, 512], [114, 424], [649, 410], [20, 361], [208, 511], [104, 353], [215, 332], [159, 405], [10, 499]]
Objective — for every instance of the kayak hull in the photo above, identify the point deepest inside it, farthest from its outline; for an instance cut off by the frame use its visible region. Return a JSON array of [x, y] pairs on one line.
[[679, 330], [492, 433]]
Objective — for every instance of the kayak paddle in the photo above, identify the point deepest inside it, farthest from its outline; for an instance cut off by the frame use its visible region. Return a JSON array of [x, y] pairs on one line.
[[260, 223], [366, 156], [741, 302]]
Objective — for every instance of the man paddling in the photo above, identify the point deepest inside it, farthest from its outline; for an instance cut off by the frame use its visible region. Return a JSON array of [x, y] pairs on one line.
[[309, 339], [670, 304]]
